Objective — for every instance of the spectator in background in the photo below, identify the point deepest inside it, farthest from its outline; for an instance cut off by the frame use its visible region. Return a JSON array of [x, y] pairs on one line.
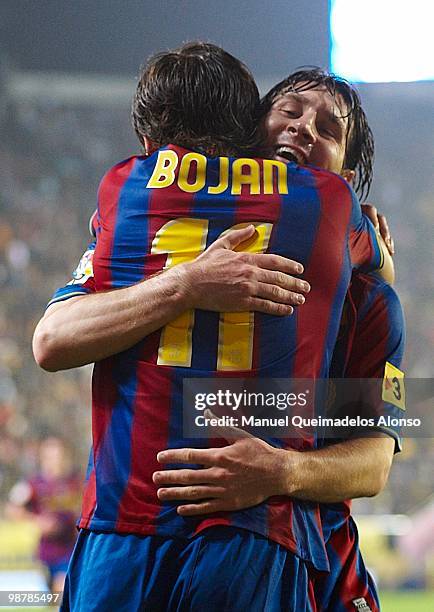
[[51, 498]]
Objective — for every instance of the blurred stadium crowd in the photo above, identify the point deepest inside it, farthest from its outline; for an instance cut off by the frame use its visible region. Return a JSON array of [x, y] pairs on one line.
[[52, 156], [51, 160]]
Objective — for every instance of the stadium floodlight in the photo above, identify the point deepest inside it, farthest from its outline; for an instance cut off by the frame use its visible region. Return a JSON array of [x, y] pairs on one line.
[[382, 40]]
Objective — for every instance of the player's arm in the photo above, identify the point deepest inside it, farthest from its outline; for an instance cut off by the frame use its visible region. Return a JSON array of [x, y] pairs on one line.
[[350, 469], [379, 221], [87, 328], [363, 463], [248, 471], [370, 243], [387, 244]]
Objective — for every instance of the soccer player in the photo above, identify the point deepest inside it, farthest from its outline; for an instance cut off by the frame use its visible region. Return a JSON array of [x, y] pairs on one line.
[[51, 499], [168, 205], [370, 345]]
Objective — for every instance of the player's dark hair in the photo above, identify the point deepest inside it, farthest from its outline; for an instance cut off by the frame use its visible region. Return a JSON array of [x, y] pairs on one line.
[[359, 145], [200, 97]]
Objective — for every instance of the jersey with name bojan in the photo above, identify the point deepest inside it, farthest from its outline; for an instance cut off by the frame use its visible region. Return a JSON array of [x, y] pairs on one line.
[[157, 212]]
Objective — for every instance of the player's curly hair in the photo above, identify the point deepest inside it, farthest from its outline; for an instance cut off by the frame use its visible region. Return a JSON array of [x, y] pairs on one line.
[[359, 146], [200, 97]]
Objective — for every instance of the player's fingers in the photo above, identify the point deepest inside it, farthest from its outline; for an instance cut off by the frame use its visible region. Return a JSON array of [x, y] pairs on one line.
[[229, 433], [189, 493], [183, 477], [258, 304], [384, 227], [372, 213], [270, 261], [188, 455], [392, 246], [286, 281], [277, 294], [206, 507], [385, 232], [232, 238]]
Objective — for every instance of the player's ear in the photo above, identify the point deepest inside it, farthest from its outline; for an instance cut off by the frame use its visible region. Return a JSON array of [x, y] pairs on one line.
[[348, 175], [150, 145]]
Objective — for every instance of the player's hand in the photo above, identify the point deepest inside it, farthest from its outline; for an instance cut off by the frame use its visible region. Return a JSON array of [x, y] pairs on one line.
[[240, 475], [228, 280], [380, 223]]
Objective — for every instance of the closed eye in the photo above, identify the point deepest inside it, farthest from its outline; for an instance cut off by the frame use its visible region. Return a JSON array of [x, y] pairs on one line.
[[290, 112], [328, 133], [330, 130]]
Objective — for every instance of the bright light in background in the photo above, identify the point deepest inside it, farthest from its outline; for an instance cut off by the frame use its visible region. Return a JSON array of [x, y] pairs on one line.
[[382, 40]]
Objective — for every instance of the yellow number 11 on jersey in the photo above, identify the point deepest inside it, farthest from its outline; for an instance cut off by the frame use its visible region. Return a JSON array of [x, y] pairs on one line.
[[183, 240]]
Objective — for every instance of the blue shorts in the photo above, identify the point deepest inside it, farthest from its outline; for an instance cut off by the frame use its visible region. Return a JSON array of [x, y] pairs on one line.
[[349, 586], [222, 569]]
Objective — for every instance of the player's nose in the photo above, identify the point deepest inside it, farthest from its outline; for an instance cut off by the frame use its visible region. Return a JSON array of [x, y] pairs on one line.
[[304, 129]]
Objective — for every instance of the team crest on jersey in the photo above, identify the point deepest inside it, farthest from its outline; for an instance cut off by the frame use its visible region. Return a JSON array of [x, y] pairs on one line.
[[84, 270], [393, 386], [361, 605]]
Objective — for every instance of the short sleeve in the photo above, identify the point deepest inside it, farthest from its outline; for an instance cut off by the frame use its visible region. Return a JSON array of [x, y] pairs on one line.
[[365, 251], [82, 281], [372, 348]]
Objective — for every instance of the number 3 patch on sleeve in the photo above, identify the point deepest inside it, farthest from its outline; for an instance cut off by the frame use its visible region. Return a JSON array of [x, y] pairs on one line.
[[393, 386]]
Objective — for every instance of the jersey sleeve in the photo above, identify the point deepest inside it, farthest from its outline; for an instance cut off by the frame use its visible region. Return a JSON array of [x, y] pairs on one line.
[[82, 281], [365, 251], [377, 347]]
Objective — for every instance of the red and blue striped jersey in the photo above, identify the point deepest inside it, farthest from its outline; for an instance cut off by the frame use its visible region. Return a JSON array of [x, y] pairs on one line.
[[166, 209], [370, 344], [371, 338], [372, 334], [59, 499]]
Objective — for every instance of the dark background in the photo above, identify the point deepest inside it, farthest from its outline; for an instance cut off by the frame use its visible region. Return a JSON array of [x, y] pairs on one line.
[[115, 36]]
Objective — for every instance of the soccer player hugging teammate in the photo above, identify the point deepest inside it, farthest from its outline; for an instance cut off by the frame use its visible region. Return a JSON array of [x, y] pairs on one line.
[[370, 344], [316, 118], [149, 332]]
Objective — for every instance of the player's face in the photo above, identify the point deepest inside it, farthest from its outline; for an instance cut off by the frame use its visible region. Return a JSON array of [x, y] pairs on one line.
[[307, 127], [54, 458]]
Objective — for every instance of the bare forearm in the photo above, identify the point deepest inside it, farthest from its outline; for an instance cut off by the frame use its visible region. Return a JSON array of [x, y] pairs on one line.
[[89, 328], [249, 471], [85, 329], [350, 469]]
